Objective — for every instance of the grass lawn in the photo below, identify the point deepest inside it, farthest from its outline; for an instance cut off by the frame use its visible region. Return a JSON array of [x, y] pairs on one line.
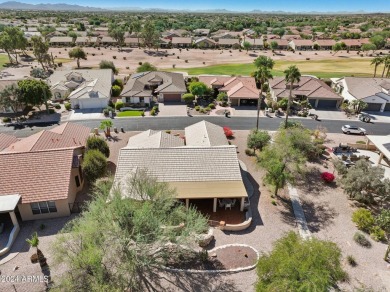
[[3, 60], [62, 60], [321, 68], [130, 114]]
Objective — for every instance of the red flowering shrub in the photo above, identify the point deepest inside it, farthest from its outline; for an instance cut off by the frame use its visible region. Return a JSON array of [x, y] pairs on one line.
[[228, 132], [327, 176]]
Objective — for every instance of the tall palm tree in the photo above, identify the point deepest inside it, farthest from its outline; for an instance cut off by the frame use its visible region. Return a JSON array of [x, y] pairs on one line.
[[262, 75], [292, 75], [386, 61], [376, 62]]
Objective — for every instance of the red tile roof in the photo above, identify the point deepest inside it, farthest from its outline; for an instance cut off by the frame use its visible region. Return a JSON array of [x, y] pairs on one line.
[[37, 175], [235, 87], [6, 140], [63, 136]]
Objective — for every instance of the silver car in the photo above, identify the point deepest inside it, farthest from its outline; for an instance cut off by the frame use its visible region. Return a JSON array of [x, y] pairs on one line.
[[347, 129]]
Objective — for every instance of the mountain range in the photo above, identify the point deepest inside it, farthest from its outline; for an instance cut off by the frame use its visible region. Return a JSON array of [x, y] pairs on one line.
[[14, 5]]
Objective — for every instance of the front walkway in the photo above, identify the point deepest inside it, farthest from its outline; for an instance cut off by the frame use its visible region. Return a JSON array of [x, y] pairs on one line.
[[299, 214]]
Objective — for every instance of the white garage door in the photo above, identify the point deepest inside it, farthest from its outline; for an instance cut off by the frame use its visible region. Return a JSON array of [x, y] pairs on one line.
[[93, 103]]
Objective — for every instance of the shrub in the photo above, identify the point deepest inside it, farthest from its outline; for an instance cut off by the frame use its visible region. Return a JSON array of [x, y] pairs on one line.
[[152, 112], [197, 108], [228, 132], [97, 143], [212, 106], [257, 140], [39, 73], [116, 91], [6, 120], [114, 57], [104, 64], [222, 96], [51, 111], [327, 177], [207, 109], [118, 105], [351, 261], [360, 239], [107, 110], [68, 106], [363, 219], [202, 110], [118, 82], [283, 103], [168, 131], [383, 220], [140, 63], [249, 152], [57, 106], [273, 202], [377, 234], [188, 98], [94, 165], [186, 61]]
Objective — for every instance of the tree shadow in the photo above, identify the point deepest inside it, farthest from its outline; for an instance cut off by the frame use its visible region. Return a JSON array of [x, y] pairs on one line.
[[286, 211], [318, 216]]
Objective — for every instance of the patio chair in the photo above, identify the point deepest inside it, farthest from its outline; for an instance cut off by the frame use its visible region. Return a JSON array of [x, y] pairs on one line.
[[228, 206], [234, 202]]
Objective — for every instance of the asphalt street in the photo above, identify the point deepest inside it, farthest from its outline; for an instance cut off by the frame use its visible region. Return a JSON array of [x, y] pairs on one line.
[[179, 123]]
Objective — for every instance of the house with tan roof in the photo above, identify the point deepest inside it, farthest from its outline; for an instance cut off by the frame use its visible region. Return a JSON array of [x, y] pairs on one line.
[[206, 168], [181, 42], [86, 41], [241, 91], [61, 41], [44, 170], [205, 42], [301, 45], [316, 91], [201, 32], [229, 43], [374, 91], [255, 43], [108, 41], [133, 42], [282, 43], [142, 87], [85, 88], [6, 140], [326, 45]]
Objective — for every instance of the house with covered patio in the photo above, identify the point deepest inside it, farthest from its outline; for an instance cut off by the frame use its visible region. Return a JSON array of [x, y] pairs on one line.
[[203, 169]]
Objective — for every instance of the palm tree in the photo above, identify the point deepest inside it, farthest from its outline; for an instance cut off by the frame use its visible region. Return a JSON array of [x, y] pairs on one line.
[[106, 126], [34, 241], [262, 75], [386, 61], [376, 62], [292, 75]]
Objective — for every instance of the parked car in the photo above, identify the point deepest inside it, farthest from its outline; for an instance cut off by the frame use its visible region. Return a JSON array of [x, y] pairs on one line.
[[347, 129]]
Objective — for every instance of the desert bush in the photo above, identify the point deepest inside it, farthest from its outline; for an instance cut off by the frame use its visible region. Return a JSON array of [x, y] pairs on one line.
[[360, 239], [118, 82], [97, 143], [6, 120], [114, 57], [257, 140], [351, 261], [57, 106], [327, 176], [228, 132], [207, 108], [283, 103], [116, 90], [197, 108], [363, 219], [68, 106], [383, 220], [94, 165], [249, 152], [377, 233], [212, 106], [104, 64], [188, 98]]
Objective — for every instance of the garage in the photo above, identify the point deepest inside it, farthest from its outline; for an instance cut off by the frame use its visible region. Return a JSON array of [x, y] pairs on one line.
[[327, 103], [387, 107], [248, 102], [374, 107], [93, 103], [172, 97]]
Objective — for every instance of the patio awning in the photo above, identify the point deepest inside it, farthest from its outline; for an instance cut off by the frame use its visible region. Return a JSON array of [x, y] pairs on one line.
[[8, 203], [382, 143]]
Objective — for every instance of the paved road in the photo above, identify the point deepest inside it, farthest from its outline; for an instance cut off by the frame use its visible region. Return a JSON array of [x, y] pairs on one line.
[[178, 123]]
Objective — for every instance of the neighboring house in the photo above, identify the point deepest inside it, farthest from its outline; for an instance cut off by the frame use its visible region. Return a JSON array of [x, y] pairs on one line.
[[318, 94], [61, 41], [207, 168], [290, 37], [6, 141], [86, 41], [240, 90], [29, 34], [325, 45], [353, 44], [108, 41], [85, 88], [181, 42], [282, 44], [169, 87], [3, 85], [255, 43], [226, 35], [133, 42], [45, 170], [229, 43], [374, 91], [164, 43], [201, 32], [205, 42], [301, 45]]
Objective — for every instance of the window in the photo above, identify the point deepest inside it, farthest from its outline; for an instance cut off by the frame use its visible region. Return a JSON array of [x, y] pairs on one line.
[[128, 100], [77, 181], [43, 207], [141, 99]]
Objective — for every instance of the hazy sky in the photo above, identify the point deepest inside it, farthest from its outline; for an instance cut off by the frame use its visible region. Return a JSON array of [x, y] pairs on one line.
[[236, 5]]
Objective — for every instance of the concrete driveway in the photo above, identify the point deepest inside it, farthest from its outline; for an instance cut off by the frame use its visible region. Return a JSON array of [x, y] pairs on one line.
[[245, 111], [172, 109], [86, 114]]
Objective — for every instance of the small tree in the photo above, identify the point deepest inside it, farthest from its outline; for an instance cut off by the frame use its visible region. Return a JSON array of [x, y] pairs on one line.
[[222, 96], [94, 165], [97, 143], [198, 88], [34, 92], [33, 241], [106, 127], [77, 53], [246, 45], [274, 45], [368, 47], [257, 140], [358, 105], [337, 47], [295, 264], [116, 90], [145, 67], [104, 64]]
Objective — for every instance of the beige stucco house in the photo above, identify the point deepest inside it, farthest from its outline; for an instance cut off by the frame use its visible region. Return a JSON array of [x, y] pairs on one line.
[[45, 171]]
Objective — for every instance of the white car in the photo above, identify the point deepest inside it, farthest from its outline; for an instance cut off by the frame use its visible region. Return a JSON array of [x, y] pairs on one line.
[[347, 129]]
